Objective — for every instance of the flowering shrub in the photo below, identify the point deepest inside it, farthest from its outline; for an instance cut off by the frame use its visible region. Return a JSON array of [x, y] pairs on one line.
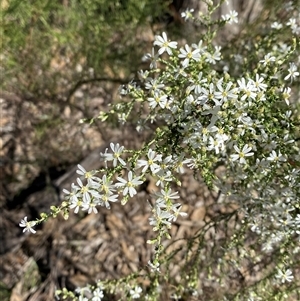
[[232, 116]]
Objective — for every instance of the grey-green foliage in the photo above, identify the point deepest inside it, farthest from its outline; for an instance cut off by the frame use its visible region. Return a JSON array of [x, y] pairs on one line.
[[94, 33]]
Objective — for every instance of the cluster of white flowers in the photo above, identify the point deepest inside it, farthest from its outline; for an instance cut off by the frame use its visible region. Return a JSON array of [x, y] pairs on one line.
[[208, 113], [101, 191], [236, 119], [93, 293]]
